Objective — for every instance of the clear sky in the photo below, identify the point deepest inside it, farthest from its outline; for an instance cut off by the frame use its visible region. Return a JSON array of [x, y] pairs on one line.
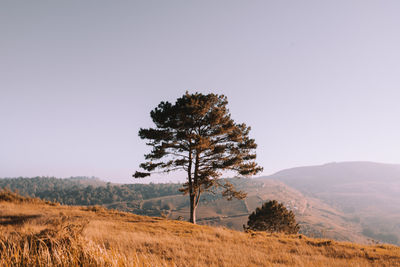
[[318, 81]]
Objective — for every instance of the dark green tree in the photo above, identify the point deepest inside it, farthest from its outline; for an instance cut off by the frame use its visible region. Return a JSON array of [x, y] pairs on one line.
[[198, 136], [273, 217]]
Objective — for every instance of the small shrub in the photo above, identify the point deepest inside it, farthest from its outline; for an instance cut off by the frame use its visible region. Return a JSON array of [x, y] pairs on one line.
[[273, 217]]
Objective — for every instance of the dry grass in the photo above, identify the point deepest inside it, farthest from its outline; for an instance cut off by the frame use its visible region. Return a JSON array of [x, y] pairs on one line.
[[44, 234]]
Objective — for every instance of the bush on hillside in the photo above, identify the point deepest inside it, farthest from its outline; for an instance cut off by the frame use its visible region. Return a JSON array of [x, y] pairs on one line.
[[273, 217]]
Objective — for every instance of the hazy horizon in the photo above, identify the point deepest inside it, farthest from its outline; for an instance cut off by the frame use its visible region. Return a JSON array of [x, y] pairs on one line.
[[318, 82]]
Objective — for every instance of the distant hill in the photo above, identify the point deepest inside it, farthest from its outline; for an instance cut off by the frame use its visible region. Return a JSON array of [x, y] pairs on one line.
[[317, 178], [30, 184], [367, 191]]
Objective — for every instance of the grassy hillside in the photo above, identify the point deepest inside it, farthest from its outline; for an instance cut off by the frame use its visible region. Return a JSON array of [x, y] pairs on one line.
[[317, 219], [366, 193], [33, 232]]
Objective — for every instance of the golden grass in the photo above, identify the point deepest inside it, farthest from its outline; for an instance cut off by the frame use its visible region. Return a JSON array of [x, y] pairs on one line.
[[43, 234]]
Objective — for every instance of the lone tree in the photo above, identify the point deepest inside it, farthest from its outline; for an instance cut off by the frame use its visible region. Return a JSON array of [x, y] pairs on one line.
[[273, 217], [198, 136]]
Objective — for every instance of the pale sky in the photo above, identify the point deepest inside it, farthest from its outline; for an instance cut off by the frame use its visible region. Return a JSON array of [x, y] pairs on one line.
[[318, 81]]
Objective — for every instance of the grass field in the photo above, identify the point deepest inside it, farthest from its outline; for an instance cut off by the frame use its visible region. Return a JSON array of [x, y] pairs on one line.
[[34, 232]]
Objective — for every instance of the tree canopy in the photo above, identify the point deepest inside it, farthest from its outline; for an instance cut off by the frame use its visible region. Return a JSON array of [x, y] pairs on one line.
[[273, 217], [197, 135], [86, 191]]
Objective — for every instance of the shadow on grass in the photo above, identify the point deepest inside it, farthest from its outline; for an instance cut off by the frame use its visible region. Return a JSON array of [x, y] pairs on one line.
[[15, 220]]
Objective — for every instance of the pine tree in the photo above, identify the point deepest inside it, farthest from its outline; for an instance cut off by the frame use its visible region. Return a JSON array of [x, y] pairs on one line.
[[273, 217], [198, 136]]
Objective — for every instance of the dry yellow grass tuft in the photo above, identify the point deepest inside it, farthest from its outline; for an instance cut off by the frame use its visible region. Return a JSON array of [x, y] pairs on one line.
[[44, 234]]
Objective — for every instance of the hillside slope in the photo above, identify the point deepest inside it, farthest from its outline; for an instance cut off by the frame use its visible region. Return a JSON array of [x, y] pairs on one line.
[[366, 192], [33, 232], [317, 219]]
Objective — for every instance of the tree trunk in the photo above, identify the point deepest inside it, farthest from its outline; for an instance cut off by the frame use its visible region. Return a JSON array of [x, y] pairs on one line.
[[192, 209]]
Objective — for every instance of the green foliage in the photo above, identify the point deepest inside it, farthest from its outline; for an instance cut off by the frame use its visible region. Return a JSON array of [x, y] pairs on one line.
[[273, 217], [197, 135], [74, 191]]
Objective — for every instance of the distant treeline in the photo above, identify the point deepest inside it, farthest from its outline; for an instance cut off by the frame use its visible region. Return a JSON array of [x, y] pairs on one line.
[[85, 190]]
